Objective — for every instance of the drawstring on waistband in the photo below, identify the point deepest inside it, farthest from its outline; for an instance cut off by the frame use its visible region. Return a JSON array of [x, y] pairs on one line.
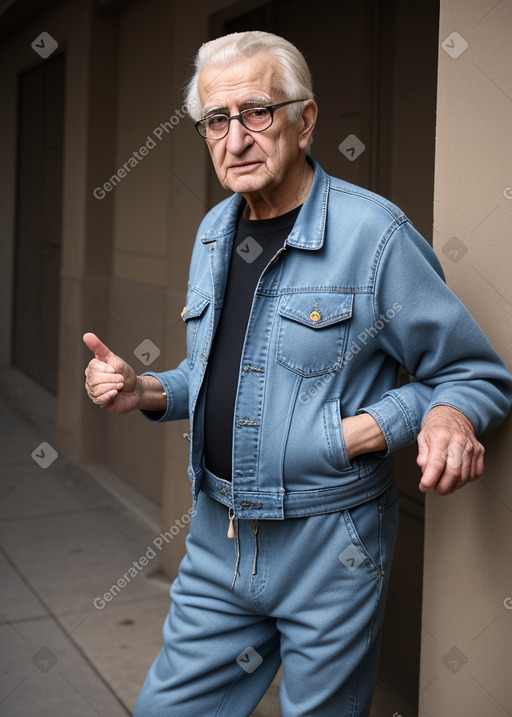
[[255, 526], [231, 529], [233, 532]]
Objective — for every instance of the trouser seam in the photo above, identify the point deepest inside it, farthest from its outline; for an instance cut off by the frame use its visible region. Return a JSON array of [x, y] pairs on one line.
[[368, 641], [240, 676]]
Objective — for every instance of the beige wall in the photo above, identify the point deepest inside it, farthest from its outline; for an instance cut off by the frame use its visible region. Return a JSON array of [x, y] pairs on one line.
[[72, 26], [467, 576]]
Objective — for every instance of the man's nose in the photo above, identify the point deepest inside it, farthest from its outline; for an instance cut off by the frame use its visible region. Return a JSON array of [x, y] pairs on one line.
[[238, 138]]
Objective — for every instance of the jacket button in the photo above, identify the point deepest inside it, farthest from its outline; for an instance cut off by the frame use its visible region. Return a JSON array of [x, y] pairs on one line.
[[315, 316], [184, 311]]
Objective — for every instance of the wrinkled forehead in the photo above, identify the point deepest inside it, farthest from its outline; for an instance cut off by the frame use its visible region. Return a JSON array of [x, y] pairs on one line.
[[251, 79]]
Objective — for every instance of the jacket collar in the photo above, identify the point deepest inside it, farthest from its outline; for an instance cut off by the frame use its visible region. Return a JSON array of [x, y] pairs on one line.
[[309, 228]]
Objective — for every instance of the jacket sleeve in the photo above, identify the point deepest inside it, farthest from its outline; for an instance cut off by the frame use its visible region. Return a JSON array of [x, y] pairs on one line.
[[175, 384], [438, 342]]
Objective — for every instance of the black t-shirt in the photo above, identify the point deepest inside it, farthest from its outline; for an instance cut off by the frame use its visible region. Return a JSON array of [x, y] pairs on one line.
[[256, 243]]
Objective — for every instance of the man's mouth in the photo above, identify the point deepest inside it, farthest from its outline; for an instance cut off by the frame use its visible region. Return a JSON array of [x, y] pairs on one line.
[[245, 166]]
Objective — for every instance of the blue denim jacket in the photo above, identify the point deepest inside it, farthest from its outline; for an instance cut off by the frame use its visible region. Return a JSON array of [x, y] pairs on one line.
[[354, 292]]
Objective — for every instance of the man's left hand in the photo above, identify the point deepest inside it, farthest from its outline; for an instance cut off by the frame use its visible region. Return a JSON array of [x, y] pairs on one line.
[[449, 453]]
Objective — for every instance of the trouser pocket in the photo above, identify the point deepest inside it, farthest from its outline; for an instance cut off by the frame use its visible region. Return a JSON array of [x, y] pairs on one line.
[[372, 527]]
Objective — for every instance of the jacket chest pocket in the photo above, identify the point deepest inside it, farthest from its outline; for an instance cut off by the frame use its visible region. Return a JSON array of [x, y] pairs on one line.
[[194, 317], [313, 331]]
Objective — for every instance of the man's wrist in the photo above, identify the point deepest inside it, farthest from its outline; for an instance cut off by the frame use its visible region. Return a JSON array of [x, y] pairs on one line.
[[362, 434], [152, 396], [444, 411]]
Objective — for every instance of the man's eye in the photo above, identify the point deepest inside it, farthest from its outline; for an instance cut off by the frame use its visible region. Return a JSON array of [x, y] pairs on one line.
[[256, 114], [216, 120]]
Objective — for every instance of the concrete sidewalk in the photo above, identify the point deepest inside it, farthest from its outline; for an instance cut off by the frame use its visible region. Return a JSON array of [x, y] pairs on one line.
[[67, 534], [64, 541]]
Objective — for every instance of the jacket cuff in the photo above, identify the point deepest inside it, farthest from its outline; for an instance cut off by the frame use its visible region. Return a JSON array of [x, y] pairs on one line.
[[395, 421]]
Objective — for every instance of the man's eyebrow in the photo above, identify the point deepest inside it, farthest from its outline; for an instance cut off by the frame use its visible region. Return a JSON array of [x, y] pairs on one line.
[[256, 101], [216, 110], [225, 110]]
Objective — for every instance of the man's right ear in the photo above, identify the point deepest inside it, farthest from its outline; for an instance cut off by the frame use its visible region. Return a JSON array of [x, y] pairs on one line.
[[309, 117]]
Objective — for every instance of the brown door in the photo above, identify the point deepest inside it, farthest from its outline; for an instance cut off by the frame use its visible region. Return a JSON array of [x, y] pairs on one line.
[[38, 222]]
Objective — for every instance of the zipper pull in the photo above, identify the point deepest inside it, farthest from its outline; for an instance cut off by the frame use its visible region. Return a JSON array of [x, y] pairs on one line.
[[231, 529]]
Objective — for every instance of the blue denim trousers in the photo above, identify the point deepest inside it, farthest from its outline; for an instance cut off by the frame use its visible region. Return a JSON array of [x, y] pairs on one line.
[[308, 592]]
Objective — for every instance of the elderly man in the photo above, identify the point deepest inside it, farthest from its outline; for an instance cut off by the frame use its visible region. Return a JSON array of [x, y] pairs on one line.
[[305, 294]]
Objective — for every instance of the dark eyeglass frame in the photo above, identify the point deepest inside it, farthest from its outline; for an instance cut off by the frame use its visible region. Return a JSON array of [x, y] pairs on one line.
[[201, 127]]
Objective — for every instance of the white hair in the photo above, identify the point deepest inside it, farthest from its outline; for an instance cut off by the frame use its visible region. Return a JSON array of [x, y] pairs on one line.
[[295, 80]]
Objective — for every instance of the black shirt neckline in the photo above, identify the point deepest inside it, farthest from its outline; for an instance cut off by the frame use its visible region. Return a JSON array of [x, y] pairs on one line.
[[268, 226]]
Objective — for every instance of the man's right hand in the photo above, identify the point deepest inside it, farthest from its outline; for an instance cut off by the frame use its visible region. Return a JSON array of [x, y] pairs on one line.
[[109, 381]]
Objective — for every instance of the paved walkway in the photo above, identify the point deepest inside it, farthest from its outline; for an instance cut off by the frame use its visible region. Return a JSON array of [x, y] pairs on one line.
[[66, 536], [64, 540]]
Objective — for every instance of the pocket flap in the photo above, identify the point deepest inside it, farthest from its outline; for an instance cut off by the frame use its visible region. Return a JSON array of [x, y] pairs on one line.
[[317, 309], [194, 308]]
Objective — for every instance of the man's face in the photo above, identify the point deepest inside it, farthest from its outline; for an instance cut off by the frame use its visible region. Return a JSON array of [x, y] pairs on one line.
[[247, 161]]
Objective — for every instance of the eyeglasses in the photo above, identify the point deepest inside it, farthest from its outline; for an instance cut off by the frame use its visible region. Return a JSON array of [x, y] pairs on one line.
[[255, 119]]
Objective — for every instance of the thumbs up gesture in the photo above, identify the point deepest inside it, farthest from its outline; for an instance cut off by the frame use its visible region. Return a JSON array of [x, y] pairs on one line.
[[109, 381]]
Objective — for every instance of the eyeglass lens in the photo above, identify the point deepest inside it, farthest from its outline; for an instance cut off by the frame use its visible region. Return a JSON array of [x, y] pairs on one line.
[[256, 119]]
